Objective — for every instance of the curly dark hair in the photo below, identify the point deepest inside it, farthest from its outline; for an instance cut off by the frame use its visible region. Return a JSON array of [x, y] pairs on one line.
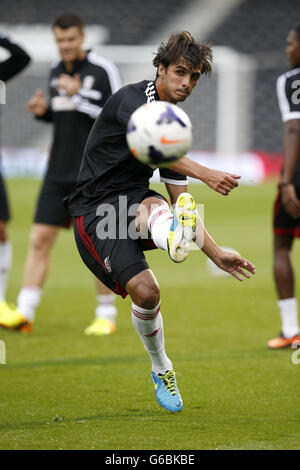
[[182, 45]]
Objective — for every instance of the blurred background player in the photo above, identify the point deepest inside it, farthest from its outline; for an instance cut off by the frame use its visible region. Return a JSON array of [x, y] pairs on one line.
[[79, 86], [287, 204], [10, 67]]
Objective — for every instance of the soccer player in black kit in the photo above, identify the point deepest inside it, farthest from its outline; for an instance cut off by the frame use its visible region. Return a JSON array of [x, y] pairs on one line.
[[18, 60], [111, 181], [287, 204], [79, 85]]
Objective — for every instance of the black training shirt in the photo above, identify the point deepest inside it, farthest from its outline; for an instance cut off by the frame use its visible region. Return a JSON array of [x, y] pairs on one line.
[[108, 168], [74, 116]]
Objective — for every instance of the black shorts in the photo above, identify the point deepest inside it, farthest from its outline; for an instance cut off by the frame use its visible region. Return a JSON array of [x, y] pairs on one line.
[[283, 223], [4, 208], [116, 258], [50, 209]]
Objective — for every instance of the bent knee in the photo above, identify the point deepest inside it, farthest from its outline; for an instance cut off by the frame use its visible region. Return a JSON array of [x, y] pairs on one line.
[[147, 296]]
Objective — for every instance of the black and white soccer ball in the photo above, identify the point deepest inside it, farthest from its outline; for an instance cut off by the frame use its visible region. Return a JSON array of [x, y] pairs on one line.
[[159, 133]]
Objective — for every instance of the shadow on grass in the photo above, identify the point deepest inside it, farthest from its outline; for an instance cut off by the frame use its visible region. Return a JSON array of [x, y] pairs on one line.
[[246, 355], [157, 415], [79, 361]]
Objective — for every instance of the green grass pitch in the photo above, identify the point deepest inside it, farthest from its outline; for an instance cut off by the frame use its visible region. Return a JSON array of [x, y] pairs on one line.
[[63, 390]]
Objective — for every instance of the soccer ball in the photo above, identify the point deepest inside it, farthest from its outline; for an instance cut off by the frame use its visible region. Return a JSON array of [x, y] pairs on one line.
[[214, 270], [159, 133]]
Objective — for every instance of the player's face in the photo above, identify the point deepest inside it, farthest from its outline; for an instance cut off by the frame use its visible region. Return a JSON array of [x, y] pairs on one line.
[[69, 42], [293, 49], [177, 82]]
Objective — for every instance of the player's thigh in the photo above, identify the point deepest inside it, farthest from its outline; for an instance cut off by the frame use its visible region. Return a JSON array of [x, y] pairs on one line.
[[285, 227], [104, 282], [114, 261]]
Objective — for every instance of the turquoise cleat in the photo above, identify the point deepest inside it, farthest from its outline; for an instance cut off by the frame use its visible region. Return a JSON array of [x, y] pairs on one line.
[[166, 391]]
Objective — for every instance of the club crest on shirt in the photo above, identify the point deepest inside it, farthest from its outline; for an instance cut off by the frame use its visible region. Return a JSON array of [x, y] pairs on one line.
[[88, 81], [107, 264]]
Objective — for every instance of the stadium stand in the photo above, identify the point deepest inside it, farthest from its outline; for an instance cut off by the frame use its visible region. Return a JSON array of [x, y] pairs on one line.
[[128, 22], [256, 28], [259, 28]]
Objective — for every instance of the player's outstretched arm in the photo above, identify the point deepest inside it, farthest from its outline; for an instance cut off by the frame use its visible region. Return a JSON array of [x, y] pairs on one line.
[[220, 181], [233, 263], [18, 60]]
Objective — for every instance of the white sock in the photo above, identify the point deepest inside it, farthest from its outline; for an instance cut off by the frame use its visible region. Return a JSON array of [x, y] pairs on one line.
[[149, 326], [289, 317], [159, 224], [28, 300], [5, 265], [106, 308]]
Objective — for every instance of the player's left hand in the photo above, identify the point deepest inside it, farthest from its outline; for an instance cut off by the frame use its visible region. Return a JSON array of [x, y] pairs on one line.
[[235, 264], [71, 85]]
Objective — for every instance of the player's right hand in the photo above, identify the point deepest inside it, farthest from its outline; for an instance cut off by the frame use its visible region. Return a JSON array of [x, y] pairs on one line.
[[37, 104], [221, 181]]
